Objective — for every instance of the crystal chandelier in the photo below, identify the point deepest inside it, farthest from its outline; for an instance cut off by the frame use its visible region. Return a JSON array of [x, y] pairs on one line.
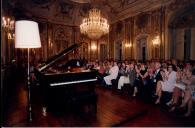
[[94, 26]]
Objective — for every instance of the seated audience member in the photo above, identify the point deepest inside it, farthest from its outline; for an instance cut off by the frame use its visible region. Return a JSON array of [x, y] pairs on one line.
[[122, 69], [102, 68], [156, 77], [174, 64], [147, 83], [132, 74], [123, 76], [143, 74], [180, 65], [167, 84], [101, 71], [137, 81], [119, 66], [113, 73], [140, 82], [189, 93], [178, 89], [107, 67], [96, 65]]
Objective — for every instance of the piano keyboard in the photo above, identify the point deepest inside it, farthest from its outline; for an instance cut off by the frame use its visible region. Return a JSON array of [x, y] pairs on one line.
[[72, 82]]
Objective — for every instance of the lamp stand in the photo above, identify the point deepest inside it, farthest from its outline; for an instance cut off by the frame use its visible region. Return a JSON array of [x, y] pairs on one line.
[[29, 91], [30, 30]]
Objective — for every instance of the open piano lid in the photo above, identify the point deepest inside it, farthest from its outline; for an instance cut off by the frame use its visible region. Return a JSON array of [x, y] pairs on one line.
[[49, 62]]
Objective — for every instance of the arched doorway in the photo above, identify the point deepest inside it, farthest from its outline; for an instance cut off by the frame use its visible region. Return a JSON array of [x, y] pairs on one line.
[[141, 49], [181, 30], [118, 50], [103, 51]]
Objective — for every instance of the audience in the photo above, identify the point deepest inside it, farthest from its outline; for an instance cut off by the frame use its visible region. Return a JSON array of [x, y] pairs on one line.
[[152, 79]]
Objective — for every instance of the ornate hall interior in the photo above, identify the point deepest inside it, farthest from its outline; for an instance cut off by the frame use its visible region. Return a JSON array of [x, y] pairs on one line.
[[62, 80]]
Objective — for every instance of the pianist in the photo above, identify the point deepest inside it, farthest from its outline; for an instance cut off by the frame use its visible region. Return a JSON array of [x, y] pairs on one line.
[[74, 63]]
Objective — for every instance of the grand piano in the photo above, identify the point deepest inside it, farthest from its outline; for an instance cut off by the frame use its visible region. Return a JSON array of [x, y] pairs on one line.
[[65, 86]]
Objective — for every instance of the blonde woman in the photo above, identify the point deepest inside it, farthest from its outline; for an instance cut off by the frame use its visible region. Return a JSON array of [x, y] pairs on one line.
[[189, 92]]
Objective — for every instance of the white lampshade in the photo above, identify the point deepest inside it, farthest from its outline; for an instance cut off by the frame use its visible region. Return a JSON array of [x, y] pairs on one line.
[[27, 34]]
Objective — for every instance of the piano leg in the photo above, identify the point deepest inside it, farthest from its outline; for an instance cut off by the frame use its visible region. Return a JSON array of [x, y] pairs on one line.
[[44, 111]]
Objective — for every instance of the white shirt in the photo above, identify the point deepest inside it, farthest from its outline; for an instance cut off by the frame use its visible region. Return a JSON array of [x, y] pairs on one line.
[[169, 84], [114, 72], [157, 72], [172, 78]]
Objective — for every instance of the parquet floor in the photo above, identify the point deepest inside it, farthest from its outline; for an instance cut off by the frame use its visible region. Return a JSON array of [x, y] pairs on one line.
[[113, 109]]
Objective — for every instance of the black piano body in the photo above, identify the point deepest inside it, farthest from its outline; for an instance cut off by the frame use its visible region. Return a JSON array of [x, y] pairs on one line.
[[66, 88]]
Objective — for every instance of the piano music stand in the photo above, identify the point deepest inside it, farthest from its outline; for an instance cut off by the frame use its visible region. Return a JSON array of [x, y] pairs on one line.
[[27, 36]]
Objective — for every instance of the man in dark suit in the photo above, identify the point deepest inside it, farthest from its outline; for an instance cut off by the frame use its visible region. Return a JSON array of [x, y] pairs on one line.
[[74, 63], [157, 77]]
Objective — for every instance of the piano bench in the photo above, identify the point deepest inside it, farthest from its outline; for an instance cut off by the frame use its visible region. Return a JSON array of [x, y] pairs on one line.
[[84, 99]]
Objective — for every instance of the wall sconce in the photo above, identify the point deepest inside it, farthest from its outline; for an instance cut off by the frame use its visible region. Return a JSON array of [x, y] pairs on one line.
[[156, 41], [8, 24], [93, 47], [10, 36], [128, 45]]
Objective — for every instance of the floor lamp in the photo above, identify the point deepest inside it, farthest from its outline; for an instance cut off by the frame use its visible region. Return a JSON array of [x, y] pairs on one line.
[[27, 36]]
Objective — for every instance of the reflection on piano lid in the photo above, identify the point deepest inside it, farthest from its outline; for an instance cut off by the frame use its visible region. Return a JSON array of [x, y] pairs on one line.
[[73, 82]]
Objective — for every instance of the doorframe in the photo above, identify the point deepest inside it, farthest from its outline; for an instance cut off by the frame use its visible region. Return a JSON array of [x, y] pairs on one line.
[[117, 42], [138, 55]]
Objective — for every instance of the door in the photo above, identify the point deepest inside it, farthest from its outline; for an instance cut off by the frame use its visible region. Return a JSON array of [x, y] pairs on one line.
[[141, 48], [103, 52], [118, 50], [144, 53]]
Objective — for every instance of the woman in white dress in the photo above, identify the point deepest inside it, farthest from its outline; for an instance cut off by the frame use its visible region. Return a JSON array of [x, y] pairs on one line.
[[167, 84]]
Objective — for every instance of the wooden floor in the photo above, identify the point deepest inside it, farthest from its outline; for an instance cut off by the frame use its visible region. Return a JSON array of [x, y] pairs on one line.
[[113, 109]]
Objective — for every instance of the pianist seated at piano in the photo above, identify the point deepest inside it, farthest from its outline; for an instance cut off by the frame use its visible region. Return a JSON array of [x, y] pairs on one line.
[[74, 65]]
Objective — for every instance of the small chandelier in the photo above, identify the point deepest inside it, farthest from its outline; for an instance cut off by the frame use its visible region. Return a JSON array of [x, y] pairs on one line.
[[94, 26]]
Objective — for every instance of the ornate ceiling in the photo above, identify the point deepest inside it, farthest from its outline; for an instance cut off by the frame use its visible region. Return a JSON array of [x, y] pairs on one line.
[[71, 12]]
